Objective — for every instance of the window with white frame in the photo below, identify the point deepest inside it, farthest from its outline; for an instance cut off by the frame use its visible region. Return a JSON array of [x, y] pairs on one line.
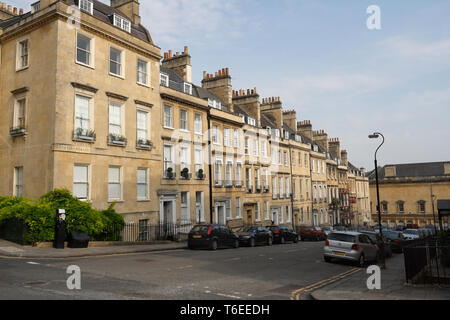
[[229, 173], [86, 5], [185, 210], [257, 179], [115, 119], [285, 158], [279, 157], [19, 113], [246, 146], [255, 147], [142, 126], [274, 187], [226, 137], [282, 215], [22, 55], [264, 147], [238, 207], [184, 120], [198, 159], [248, 178], [239, 173], [228, 209], [288, 214], [265, 177], [266, 210], [142, 184], [81, 182], [164, 80], [168, 158], [218, 172], [84, 52], [198, 123], [114, 183], [281, 187], [272, 155], [142, 72], [82, 113], [115, 62], [168, 117], [288, 187], [258, 211], [236, 138], [185, 157], [18, 182], [187, 88], [122, 23], [215, 134]]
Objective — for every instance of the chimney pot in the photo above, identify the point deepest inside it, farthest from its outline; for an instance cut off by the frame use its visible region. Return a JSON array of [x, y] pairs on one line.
[[186, 50], [248, 92], [170, 53], [15, 11]]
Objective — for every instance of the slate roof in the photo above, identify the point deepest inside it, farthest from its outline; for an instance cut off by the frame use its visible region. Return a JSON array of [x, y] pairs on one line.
[[413, 170], [102, 12]]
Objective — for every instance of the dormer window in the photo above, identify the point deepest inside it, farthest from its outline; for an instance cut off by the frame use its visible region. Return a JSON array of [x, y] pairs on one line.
[[251, 121], [86, 6], [187, 88], [35, 7], [298, 138], [215, 104], [164, 80], [286, 135], [122, 23]]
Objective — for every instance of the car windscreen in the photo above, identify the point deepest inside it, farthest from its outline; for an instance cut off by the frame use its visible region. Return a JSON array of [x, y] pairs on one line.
[[416, 232], [200, 229], [274, 228], [392, 235], [250, 229], [341, 237]]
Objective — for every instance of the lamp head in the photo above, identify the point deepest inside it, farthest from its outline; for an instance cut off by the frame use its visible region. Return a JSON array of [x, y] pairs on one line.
[[374, 136]]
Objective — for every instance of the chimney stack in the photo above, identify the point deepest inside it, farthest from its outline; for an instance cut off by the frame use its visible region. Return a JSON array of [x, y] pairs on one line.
[[305, 128], [290, 119], [180, 63], [321, 138], [220, 85], [248, 100], [334, 147], [344, 157]]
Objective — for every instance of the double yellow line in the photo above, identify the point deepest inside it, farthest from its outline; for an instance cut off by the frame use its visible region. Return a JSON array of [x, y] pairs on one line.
[[296, 295]]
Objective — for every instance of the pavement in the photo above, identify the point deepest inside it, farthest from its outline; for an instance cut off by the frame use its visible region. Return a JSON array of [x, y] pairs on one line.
[[393, 286], [12, 250]]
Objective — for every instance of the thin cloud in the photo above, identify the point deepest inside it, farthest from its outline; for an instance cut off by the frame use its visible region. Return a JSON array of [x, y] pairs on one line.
[[414, 49]]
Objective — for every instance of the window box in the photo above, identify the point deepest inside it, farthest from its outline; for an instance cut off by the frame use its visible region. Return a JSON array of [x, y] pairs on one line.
[[185, 175], [218, 183], [229, 183], [200, 175], [169, 174], [17, 131], [249, 189], [266, 189], [258, 189], [84, 135], [238, 183], [117, 140], [144, 144]]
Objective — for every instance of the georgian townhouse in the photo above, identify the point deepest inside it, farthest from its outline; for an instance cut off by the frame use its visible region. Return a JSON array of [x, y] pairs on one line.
[[79, 97]]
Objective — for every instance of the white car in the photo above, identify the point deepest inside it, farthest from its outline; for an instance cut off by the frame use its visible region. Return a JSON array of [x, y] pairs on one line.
[[411, 234], [327, 230]]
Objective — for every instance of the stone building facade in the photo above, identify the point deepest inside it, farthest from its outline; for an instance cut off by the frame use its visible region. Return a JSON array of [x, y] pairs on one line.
[[89, 100]]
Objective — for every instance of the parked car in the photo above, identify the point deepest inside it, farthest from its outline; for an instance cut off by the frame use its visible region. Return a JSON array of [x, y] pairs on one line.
[[350, 246], [339, 228], [283, 233], [312, 233], [397, 240], [212, 236], [375, 238], [432, 229], [327, 230], [252, 236], [411, 234]]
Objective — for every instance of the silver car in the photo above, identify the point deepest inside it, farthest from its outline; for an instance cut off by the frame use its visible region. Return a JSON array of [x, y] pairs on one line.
[[411, 234], [350, 246]]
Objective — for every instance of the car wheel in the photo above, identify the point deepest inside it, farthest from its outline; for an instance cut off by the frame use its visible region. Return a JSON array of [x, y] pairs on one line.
[[318, 238], [362, 261], [327, 259], [295, 239], [252, 242], [282, 241], [236, 244], [214, 245], [270, 241]]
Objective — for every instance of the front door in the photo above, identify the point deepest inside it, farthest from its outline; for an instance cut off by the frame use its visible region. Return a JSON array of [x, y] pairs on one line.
[[275, 217], [221, 214], [167, 226]]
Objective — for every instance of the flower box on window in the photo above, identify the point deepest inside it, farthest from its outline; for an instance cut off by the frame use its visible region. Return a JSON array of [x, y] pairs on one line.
[[84, 135], [17, 131], [169, 174], [117, 140], [185, 174], [144, 144], [200, 175]]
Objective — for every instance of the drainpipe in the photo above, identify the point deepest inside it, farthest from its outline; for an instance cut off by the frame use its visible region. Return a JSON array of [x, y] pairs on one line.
[[292, 188], [211, 207]]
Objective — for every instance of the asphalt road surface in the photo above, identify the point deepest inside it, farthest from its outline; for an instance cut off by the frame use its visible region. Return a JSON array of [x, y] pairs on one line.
[[260, 273]]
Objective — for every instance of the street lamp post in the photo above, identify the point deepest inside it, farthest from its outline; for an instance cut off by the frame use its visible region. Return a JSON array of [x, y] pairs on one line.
[[376, 135]]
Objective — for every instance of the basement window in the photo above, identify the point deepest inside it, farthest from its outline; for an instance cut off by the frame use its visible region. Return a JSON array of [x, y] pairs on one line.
[[122, 23], [86, 6]]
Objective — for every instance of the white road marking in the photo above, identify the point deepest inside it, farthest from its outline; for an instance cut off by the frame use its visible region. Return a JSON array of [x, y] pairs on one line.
[[233, 259], [33, 263], [228, 296]]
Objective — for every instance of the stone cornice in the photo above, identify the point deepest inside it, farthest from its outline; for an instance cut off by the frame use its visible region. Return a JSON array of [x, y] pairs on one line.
[[116, 96], [143, 103], [84, 87], [19, 91]]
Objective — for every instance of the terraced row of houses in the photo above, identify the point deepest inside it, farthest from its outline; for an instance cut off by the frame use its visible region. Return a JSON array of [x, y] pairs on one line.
[[90, 104]]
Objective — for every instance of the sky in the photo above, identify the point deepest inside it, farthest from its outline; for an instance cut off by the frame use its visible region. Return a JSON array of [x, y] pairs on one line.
[[323, 61]]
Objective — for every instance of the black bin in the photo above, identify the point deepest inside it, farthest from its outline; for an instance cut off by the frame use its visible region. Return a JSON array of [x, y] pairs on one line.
[[78, 239]]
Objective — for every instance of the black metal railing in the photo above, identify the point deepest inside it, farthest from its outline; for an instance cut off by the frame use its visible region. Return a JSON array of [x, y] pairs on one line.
[[427, 261], [135, 233]]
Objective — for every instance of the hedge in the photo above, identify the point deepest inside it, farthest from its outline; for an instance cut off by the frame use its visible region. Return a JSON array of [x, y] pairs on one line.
[[39, 216]]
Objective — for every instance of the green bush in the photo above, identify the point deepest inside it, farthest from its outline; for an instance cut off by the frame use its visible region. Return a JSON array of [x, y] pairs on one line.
[[39, 216]]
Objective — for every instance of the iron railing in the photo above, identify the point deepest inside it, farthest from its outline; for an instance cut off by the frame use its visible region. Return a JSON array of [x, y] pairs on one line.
[[427, 261]]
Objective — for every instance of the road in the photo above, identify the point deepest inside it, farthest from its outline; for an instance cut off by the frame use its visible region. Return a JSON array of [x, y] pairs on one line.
[[260, 273]]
